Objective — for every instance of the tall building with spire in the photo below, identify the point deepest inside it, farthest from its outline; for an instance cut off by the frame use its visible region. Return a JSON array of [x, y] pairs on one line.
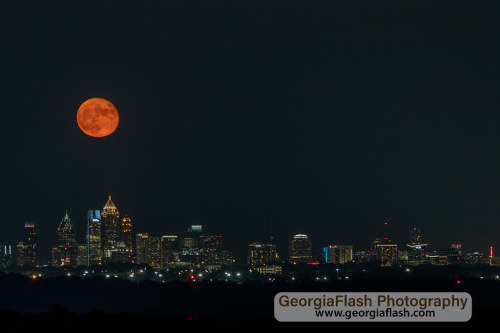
[[65, 252], [110, 230]]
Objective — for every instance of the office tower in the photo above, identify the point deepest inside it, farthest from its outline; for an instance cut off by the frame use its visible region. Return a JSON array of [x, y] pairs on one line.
[[190, 244], [169, 251], [141, 248], [20, 254], [300, 249], [81, 255], [30, 245], [94, 244], [417, 249], [262, 254], [338, 254], [386, 252], [126, 237], [110, 230], [65, 252], [120, 253], [148, 250], [213, 255], [154, 252], [6, 258]]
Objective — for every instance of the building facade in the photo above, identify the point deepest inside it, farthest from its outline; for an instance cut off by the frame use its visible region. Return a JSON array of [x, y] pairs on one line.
[[110, 230], [300, 249], [338, 254]]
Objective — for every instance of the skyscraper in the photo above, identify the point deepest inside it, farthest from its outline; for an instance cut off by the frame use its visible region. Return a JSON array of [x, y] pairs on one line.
[[300, 249], [6, 258], [148, 250], [417, 249], [126, 237], [30, 244], [169, 250], [94, 244], [386, 252], [110, 230], [65, 252], [141, 248]]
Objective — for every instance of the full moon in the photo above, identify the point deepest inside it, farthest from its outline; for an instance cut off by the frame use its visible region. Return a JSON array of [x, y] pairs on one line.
[[97, 117]]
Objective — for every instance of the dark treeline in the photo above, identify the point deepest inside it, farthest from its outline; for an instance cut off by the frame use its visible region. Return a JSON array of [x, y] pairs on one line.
[[250, 300]]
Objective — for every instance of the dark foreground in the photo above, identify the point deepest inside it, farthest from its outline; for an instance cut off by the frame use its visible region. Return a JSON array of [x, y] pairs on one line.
[[77, 304]]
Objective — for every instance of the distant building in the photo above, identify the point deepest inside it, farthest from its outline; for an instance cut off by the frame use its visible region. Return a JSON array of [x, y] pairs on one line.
[[273, 269], [94, 244], [148, 250], [475, 258], [447, 256], [141, 248], [6, 256], [190, 245], [126, 237], [20, 254], [386, 252], [65, 252], [110, 229], [338, 254], [300, 249], [30, 245], [169, 251], [262, 254], [363, 257], [417, 249], [81, 255]]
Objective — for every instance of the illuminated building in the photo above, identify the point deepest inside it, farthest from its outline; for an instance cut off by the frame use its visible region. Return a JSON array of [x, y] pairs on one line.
[[65, 252], [141, 248], [94, 244], [6, 258], [126, 237], [338, 254], [447, 256], [110, 229], [148, 250], [20, 254], [300, 249], [273, 269], [154, 252], [30, 245], [262, 254], [386, 252], [475, 258], [417, 249], [81, 255], [169, 251], [190, 244], [362, 257], [212, 253]]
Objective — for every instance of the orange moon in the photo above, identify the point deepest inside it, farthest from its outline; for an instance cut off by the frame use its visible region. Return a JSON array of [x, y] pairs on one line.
[[97, 117]]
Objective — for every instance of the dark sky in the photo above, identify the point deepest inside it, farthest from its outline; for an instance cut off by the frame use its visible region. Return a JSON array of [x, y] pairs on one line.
[[331, 115]]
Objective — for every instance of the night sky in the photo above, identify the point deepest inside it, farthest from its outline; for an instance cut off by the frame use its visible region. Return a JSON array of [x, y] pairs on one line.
[[331, 116]]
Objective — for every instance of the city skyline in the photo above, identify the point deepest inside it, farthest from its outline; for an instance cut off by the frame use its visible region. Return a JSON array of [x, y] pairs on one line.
[[414, 236], [331, 124]]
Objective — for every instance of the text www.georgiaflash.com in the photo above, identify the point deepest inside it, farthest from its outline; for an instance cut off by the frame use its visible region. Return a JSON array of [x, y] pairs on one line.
[[373, 314]]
